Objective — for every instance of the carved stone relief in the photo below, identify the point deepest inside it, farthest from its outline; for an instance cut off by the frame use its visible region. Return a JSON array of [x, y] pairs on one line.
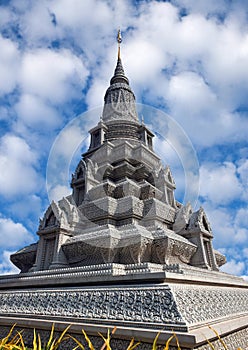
[[204, 303], [154, 307]]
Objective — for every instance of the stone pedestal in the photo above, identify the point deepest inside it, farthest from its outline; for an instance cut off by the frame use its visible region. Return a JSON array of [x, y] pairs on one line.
[[139, 299]]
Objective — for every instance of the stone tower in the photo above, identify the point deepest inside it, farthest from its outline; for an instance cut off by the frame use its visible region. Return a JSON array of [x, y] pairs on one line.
[[122, 208], [122, 251]]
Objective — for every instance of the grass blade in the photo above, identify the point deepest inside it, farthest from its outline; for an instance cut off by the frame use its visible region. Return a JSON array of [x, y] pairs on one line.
[[210, 344], [21, 340], [90, 345], [34, 341], [168, 343], [216, 333], [106, 341], [50, 338], [39, 343], [154, 345], [60, 338], [4, 340], [131, 346], [109, 338], [178, 346], [79, 345], [15, 340]]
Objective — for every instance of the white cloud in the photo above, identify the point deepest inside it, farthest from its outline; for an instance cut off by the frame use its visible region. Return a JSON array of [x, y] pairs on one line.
[[69, 139], [6, 266], [190, 95], [18, 175], [242, 217], [9, 64], [92, 25], [4, 113], [234, 267], [42, 30], [219, 183], [199, 110], [176, 150], [203, 6], [243, 173], [13, 234], [222, 225], [35, 112], [5, 16], [52, 75], [26, 207], [72, 12], [228, 61], [59, 192], [241, 235], [192, 103], [145, 72], [227, 229], [200, 85], [95, 95], [193, 31], [67, 144]]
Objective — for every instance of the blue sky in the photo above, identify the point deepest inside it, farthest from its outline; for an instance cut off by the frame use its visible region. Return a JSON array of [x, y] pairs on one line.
[[187, 58]]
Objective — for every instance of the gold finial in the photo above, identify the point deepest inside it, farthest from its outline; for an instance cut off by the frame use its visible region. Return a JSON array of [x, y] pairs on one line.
[[119, 40]]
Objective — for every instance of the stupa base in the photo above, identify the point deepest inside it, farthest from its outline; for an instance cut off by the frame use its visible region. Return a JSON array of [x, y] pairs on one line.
[[140, 300]]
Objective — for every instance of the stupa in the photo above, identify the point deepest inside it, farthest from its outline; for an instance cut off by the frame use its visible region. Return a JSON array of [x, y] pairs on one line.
[[122, 251]]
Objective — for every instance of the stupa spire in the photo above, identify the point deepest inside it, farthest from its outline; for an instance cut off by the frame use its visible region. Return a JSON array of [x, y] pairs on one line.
[[119, 74], [119, 99], [119, 40]]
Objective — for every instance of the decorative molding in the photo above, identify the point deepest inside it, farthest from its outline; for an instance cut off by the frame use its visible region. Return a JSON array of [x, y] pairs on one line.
[[234, 340], [154, 307], [201, 304], [220, 258], [199, 221], [119, 104]]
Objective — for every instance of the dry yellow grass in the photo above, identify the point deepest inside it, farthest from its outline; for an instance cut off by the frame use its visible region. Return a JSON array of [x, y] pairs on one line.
[[14, 341]]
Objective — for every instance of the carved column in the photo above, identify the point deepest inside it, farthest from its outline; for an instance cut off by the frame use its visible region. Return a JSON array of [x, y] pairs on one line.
[[59, 258], [38, 260]]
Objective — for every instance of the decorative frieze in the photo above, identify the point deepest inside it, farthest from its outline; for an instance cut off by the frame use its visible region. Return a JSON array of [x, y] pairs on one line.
[[201, 304], [154, 307]]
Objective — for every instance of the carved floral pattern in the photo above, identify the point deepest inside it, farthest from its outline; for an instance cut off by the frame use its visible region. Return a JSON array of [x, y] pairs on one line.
[[119, 104], [166, 250], [148, 305], [205, 303], [183, 251]]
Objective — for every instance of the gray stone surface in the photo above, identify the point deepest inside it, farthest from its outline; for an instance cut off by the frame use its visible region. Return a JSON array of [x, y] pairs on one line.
[[152, 307], [203, 303], [122, 208], [232, 341]]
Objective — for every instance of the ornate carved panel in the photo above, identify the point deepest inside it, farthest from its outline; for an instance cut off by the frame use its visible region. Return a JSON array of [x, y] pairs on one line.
[[154, 307], [205, 303]]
